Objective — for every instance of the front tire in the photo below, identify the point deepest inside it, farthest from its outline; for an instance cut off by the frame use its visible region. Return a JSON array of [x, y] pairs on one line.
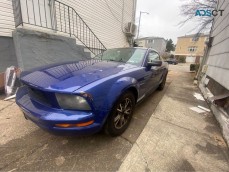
[[121, 114]]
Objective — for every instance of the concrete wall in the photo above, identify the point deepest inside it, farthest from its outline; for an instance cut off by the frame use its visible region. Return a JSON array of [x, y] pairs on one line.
[[218, 59], [7, 53], [35, 49]]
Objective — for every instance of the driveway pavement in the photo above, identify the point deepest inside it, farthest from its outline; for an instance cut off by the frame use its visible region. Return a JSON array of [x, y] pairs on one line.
[[173, 138], [177, 138]]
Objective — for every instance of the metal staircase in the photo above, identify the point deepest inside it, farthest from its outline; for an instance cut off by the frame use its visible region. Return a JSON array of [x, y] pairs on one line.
[[57, 16]]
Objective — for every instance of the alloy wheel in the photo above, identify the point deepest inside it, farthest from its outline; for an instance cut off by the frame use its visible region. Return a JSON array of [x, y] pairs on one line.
[[123, 113]]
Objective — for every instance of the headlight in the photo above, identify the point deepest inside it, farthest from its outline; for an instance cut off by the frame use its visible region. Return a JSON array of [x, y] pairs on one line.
[[68, 101]]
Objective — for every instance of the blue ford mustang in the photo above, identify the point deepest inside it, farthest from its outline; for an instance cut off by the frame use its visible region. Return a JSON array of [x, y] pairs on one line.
[[85, 96]]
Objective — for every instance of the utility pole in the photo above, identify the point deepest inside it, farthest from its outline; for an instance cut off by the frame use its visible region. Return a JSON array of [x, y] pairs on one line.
[[139, 23]]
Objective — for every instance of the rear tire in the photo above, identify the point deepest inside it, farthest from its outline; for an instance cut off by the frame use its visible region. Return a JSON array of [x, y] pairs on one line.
[[121, 114], [162, 84]]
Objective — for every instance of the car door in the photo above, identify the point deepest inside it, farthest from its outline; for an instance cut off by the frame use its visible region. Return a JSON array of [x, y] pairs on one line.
[[152, 73], [158, 69]]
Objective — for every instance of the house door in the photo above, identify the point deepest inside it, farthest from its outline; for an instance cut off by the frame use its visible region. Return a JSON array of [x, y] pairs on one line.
[[38, 12]]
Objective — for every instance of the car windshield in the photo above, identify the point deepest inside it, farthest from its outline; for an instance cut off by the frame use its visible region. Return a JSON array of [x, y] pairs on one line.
[[126, 55]]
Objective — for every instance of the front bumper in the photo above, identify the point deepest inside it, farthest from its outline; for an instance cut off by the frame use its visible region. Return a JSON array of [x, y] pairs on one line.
[[46, 117]]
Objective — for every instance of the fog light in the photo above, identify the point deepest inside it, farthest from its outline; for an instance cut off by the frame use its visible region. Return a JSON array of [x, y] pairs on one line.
[[84, 124]]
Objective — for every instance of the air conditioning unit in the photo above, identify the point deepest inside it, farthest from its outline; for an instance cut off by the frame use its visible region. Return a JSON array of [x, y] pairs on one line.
[[130, 29]]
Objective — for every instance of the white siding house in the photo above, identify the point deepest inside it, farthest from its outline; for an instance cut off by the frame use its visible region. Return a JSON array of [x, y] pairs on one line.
[[218, 59], [6, 18], [94, 25], [156, 43], [106, 18], [214, 75]]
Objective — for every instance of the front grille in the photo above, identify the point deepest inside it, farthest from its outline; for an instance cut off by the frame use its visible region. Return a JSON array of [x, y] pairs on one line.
[[38, 96]]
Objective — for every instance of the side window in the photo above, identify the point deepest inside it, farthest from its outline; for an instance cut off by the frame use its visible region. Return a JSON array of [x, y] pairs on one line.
[[153, 56]]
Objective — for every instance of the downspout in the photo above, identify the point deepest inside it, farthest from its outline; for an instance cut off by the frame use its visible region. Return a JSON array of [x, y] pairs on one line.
[[134, 15], [122, 16], [135, 8]]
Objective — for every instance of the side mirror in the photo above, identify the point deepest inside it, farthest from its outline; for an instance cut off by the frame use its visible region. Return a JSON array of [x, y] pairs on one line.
[[154, 63]]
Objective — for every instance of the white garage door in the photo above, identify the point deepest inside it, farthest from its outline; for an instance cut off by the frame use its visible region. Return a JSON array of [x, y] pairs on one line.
[[190, 59]]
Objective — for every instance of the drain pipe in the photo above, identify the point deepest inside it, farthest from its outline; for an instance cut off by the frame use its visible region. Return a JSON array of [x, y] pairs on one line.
[[122, 15]]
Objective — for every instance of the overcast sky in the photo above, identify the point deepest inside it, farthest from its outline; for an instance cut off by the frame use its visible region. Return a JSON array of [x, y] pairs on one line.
[[163, 19]]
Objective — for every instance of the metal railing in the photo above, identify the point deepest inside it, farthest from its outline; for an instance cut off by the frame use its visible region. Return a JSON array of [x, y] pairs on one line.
[[55, 15]]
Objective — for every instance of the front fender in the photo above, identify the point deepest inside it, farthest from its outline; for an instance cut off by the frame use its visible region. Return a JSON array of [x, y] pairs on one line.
[[118, 88], [106, 92], [115, 92]]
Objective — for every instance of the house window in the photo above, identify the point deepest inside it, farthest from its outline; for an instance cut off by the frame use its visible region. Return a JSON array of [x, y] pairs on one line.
[[192, 49], [194, 39], [150, 41]]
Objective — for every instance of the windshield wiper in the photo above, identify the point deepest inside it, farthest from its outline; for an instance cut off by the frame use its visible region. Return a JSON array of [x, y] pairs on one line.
[[115, 60], [121, 60], [111, 60]]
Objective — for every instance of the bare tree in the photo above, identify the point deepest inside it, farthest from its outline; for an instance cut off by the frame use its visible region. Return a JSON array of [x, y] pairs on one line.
[[188, 10]]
